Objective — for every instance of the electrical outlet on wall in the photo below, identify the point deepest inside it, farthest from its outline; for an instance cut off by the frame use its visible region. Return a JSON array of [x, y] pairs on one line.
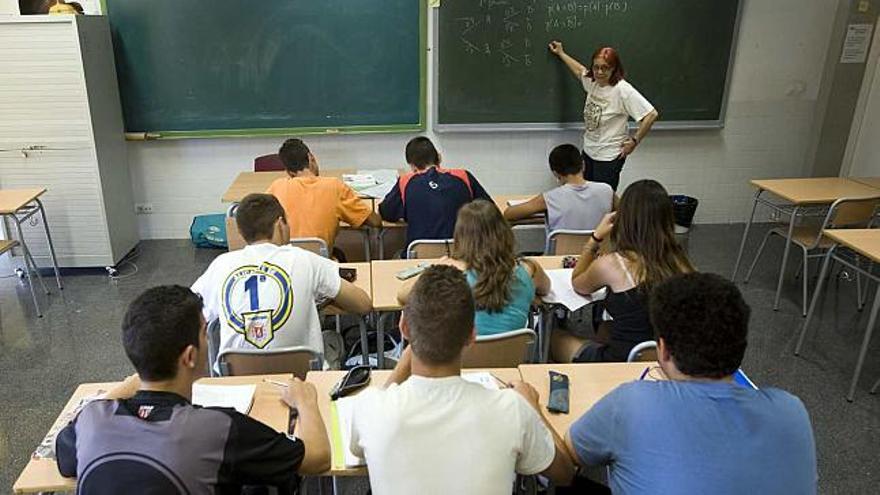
[[143, 208]]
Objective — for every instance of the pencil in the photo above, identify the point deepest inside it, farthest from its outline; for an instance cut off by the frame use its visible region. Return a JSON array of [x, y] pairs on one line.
[[275, 382], [645, 373]]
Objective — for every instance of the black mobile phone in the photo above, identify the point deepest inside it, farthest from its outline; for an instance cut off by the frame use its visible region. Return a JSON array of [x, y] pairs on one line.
[[558, 401], [357, 377], [348, 274]]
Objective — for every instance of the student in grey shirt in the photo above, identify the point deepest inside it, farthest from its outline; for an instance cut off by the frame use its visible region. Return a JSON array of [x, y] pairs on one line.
[[698, 431], [576, 204]]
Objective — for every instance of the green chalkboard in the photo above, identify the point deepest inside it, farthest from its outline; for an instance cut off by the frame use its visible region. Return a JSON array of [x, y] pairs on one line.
[[261, 67], [494, 66]]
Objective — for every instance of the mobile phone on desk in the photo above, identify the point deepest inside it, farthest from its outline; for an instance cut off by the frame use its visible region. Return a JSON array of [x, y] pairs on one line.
[[411, 272], [558, 401], [348, 274]]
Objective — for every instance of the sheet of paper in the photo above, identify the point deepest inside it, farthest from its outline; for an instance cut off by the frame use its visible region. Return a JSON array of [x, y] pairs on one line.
[[561, 291], [856, 43], [381, 174], [482, 378], [378, 191], [515, 202], [239, 397]]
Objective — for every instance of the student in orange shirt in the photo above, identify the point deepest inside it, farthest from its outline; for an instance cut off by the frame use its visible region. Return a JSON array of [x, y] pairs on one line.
[[315, 205]]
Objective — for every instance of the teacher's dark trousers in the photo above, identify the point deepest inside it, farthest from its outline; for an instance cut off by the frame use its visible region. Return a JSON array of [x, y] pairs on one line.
[[603, 171]]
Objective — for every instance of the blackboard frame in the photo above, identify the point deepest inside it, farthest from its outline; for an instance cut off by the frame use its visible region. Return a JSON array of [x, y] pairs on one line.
[[440, 127], [152, 134]]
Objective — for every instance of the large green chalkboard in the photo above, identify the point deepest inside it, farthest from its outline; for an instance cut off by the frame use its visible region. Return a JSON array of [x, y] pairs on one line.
[[257, 67], [494, 66]]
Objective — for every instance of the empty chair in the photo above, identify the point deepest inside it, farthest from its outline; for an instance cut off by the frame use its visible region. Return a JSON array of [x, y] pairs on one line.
[[268, 163], [501, 350], [564, 241], [297, 360], [843, 213], [429, 248], [643, 351], [313, 244]]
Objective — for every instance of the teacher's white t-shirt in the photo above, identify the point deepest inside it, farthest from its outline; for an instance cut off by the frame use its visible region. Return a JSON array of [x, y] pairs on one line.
[[606, 113]]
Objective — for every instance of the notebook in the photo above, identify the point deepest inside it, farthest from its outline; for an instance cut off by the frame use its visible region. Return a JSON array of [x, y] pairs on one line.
[[561, 291], [238, 397]]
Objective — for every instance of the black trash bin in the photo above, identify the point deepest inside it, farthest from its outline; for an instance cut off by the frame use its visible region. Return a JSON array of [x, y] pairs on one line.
[[684, 208]]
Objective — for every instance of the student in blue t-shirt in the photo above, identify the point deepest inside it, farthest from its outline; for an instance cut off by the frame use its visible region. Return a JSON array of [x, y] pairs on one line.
[[698, 432], [428, 198]]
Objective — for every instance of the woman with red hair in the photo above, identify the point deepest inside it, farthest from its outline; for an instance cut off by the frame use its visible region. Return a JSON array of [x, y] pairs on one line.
[[611, 101]]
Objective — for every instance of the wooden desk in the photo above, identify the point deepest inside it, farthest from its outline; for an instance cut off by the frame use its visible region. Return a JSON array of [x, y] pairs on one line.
[[41, 475], [870, 181], [19, 205], [587, 384], [799, 193], [325, 380], [865, 242], [250, 182]]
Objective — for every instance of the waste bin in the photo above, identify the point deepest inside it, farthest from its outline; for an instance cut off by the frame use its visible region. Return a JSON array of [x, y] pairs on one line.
[[683, 208]]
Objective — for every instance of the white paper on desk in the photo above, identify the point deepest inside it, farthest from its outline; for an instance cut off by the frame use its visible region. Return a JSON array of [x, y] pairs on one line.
[[378, 191], [481, 378], [344, 414], [561, 291], [517, 202], [238, 397], [359, 181], [381, 175]]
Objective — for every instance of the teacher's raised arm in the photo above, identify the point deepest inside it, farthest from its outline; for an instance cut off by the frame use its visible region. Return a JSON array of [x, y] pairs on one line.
[[610, 102]]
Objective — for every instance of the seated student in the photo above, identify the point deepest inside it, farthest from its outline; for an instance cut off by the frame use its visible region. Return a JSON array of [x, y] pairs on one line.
[[576, 204], [429, 430], [698, 432], [315, 205], [503, 285], [640, 251], [265, 295], [429, 197], [146, 436]]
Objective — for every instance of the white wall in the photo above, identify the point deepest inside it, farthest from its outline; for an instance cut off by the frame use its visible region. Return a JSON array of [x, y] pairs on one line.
[[772, 101], [865, 135]]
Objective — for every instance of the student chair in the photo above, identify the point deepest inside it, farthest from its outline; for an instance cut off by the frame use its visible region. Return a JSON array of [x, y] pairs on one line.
[[29, 265], [502, 350], [643, 351], [313, 244], [268, 163], [564, 241], [843, 213], [297, 360], [429, 248]]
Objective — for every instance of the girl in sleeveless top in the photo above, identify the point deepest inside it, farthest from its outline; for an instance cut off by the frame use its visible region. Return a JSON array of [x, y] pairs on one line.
[[638, 250], [503, 285]]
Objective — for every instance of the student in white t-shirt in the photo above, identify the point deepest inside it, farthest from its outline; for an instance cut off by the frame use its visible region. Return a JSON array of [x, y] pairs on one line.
[[610, 102], [429, 430], [265, 295], [576, 204]]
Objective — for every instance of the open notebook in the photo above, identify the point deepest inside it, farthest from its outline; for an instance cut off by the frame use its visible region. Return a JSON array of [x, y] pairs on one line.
[[340, 423], [238, 397]]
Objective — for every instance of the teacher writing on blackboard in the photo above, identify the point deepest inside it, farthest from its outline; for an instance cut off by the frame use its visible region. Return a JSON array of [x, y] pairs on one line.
[[609, 104]]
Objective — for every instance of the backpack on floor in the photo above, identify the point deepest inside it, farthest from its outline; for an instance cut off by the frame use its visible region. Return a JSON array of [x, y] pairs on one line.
[[209, 231]]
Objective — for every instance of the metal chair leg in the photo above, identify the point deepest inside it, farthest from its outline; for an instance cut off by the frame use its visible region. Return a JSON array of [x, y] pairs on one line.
[[742, 244], [875, 387], [806, 279], [27, 271], [785, 253], [816, 294], [51, 245], [757, 256], [864, 350]]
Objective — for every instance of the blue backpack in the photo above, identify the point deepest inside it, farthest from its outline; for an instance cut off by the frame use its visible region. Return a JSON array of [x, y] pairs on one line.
[[209, 231]]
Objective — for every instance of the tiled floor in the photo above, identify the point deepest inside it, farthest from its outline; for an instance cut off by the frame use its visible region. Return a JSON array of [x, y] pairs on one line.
[[42, 360]]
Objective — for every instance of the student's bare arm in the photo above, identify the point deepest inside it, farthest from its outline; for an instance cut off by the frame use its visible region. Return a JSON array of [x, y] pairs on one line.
[[405, 289], [562, 469], [374, 220], [403, 369], [592, 278], [126, 389], [572, 452], [531, 207], [539, 277], [352, 299], [309, 428]]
